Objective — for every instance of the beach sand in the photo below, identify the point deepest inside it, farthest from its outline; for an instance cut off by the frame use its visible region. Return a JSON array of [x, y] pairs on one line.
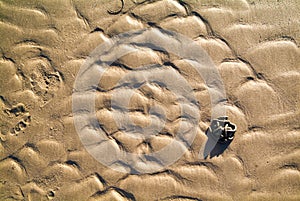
[[253, 44]]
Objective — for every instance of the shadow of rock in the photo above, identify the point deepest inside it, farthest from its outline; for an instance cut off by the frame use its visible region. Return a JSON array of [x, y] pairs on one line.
[[220, 135]]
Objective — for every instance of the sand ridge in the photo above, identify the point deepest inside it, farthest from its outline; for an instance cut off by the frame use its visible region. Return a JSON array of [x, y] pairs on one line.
[[255, 48]]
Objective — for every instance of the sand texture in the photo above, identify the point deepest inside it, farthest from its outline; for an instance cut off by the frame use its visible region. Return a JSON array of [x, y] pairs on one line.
[[253, 44]]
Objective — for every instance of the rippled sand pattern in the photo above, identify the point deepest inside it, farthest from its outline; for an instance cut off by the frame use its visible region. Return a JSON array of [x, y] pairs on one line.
[[255, 47]]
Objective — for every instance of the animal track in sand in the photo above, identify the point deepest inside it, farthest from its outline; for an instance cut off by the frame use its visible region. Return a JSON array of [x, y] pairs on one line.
[[44, 80], [21, 118]]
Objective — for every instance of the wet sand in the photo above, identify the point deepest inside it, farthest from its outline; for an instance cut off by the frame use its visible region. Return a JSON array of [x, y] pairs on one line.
[[253, 44]]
